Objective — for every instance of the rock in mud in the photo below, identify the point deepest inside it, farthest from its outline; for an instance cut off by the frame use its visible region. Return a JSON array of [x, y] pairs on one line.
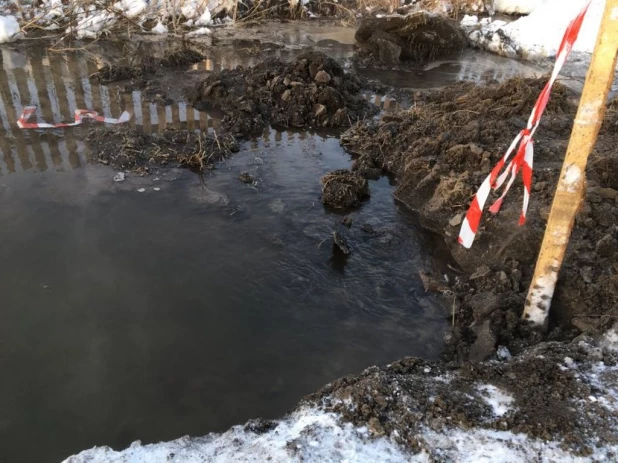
[[418, 36], [343, 189], [245, 177], [442, 149], [312, 91], [340, 243]]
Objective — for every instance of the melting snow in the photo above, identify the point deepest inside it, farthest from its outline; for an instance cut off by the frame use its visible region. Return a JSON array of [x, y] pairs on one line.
[[9, 29], [500, 401]]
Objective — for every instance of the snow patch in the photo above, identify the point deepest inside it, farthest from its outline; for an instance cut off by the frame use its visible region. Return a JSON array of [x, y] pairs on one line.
[[9, 29], [308, 434], [515, 6], [200, 31], [159, 29], [535, 36], [501, 402]]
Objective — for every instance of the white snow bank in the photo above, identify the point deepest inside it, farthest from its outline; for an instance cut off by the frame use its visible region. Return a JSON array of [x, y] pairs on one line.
[[200, 31], [9, 29], [516, 6], [539, 34], [131, 8], [307, 435], [93, 25]]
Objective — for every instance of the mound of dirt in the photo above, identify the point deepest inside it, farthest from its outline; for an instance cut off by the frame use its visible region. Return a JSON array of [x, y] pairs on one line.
[[147, 65], [440, 152], [343, 189], [312, 91], [553, 392], [418, 36], [133, 150]]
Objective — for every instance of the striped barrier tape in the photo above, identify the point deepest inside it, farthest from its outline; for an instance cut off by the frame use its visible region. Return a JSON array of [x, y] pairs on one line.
[[525, 151], [80, 115]]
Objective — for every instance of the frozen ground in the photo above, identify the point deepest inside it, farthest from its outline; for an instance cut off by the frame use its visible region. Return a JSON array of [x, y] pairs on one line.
[[313, 434]]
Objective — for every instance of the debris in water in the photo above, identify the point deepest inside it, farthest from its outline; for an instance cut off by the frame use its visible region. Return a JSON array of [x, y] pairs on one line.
[[141, 190], [339, 242], [245, 177], [119, 177]]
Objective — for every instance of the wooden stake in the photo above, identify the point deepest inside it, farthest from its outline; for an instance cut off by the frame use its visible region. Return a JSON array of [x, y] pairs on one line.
[[571, 185]]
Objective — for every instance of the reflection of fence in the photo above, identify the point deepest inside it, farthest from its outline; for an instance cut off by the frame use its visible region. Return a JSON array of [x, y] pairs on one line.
[[60, 84]]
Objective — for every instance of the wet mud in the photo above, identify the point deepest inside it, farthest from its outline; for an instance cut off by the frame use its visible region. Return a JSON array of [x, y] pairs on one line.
[[139, 152], [312, 91], [441, 150], [419, 36]]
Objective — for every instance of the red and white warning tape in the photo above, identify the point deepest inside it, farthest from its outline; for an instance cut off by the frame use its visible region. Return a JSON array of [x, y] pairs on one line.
[[80, 115], [523, 158]]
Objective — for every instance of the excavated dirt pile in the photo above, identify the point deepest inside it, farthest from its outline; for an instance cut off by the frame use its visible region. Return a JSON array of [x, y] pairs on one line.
[[553, 392], [136, 151], [418, 36], [312, 91], [441, 150]]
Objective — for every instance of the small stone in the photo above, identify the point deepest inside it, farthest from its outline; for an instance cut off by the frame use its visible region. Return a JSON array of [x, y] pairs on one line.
[[286, 95], [286, 81], [608, 193], [347, 221], [367, 228], [481, 272], [245, 177], [296, 84], [456, 220], [503, 353], [319, 109], [540, 186], [606, 245], [485, 344], [503, 277], [322, 77], [586, 274]]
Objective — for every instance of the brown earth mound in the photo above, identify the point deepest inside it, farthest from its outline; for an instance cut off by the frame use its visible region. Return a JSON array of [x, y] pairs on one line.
[[147, 65], [441, 150], [129, 149], [343, 189], [312, 91], [419, 36]]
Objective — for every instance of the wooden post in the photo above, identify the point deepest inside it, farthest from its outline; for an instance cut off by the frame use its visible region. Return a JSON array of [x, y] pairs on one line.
[[571, 185]]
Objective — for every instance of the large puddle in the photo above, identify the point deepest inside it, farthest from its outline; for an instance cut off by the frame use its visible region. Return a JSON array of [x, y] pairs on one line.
[[197, 303]]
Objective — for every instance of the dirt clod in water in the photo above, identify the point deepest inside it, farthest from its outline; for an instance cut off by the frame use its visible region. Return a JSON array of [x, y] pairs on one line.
[[312, 91], [441, 150], [147, 65], [133, 150], [343, 189], [419, 36]]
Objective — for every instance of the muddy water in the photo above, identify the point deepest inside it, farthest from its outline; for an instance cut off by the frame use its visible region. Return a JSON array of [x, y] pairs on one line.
[[195, 304]]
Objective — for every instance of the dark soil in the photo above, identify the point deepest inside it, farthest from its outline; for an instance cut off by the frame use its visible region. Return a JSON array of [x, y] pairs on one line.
[[343, 189], [133, 150], [419, 36], [441, 150], [312, 91], [551, 397], [147, 65]]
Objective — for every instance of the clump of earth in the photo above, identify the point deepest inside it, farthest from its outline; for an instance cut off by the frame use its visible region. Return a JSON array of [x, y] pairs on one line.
[[134, 150], [310, 92], [419, 36], [343, 189], [441, 150]]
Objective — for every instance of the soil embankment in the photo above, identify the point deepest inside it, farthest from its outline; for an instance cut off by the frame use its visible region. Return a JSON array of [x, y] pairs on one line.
[[441, 150]]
